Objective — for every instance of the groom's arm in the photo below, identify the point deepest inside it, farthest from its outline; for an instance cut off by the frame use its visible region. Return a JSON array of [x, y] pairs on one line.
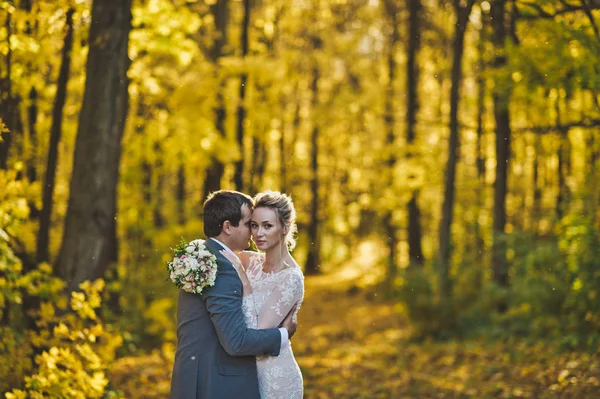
[[224, 304]]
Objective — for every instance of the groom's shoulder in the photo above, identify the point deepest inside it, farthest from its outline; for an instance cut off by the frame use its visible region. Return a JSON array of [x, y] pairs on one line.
[[210, 244], [215, 248]]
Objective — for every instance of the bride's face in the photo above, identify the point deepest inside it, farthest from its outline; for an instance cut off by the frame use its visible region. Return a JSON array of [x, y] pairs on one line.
[[267, 231]]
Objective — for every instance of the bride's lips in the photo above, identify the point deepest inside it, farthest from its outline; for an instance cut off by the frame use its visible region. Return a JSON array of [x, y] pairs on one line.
[[260, 242]]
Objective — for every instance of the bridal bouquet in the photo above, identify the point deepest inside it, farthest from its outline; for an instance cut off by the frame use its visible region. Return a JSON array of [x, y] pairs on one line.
[[193, 268]]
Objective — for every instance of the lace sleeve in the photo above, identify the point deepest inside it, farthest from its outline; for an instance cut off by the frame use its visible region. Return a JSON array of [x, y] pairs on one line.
[[289, 291]]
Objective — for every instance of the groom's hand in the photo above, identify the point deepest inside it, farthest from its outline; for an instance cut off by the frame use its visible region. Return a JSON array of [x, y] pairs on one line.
[[290, 323]]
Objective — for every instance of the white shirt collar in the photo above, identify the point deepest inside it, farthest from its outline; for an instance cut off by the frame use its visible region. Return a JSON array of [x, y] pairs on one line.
[[225, 247]]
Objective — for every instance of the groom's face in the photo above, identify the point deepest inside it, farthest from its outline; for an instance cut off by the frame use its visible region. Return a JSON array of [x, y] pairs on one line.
[[240, 235]]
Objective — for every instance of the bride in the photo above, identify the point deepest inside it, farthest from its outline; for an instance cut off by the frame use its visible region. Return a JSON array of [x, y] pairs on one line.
[[273, 286]]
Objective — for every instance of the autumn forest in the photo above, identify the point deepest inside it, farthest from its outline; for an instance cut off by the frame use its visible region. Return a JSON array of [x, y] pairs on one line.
[[442, 155]]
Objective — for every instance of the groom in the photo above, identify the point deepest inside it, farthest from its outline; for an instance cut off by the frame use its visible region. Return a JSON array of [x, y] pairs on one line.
[[216, 351]]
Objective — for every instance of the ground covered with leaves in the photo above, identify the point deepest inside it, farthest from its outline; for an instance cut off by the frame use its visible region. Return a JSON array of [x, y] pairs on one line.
[[352, 343]]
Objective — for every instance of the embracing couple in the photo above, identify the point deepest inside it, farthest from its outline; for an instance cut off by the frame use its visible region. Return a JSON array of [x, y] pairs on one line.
[[233, 339]]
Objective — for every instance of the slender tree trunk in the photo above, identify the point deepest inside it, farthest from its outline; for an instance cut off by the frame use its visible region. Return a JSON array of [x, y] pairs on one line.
[[287, 156], [561, 197], [32, 111], [261, 165], [501, 98], [33, 151], [412, 108], [254, 161], [594, 194], [43, 239], [389, 226], [89, 242], [241, 109], [214, 172], [592, 153], [536, 185], [480, 161], [259, 151], [158, 215], [147, 171], [181, 182], [282, 154], [444, 251], [6, 98], [313, 259]]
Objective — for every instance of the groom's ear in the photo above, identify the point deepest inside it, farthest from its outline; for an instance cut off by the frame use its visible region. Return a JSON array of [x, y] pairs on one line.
[[226, 227]]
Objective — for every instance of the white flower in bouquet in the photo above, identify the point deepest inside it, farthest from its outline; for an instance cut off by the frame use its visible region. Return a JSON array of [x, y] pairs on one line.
[[193, 268]]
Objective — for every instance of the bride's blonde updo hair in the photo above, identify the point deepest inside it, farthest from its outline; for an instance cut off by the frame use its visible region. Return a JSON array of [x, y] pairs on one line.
[[284, 209]]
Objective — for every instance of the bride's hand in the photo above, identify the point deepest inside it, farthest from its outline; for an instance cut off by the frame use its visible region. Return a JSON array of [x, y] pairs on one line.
[[237, 265]]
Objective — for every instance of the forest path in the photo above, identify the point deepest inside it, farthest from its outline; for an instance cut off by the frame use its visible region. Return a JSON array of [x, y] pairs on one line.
[[352, 343]]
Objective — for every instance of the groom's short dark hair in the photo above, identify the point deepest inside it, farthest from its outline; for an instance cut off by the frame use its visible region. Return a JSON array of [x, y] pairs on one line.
[[223, 205]]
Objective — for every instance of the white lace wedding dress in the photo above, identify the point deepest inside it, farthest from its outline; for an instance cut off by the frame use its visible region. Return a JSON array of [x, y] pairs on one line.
[[273, 296]]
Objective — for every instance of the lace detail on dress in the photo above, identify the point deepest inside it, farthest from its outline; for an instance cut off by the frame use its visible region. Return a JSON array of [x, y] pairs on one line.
[[249, 309], [273, 295]]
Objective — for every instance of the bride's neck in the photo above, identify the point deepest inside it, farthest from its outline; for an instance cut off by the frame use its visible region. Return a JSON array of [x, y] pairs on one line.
[[277, 258]]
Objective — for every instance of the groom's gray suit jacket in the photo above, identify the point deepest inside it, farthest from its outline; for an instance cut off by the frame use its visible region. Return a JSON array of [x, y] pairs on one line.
[[216, 351]]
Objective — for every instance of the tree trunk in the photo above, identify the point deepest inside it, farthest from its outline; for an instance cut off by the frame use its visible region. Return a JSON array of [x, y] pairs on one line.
[[389, 227], [259, 163], [212, 181], [282, 154], [241, 109], [89, 242], [122, 105], [141, 116], [501, 98], [158, 216], [536, 185], [43, 239], [563, 152], [412, 83], [146, 170], [481, 100], [32, 111], [181, 182], [592, 153], [444, 250], [287, 146], [6, 98], [594, 194], [220, 12], [313, 259], [480, 148], [214, 172]]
